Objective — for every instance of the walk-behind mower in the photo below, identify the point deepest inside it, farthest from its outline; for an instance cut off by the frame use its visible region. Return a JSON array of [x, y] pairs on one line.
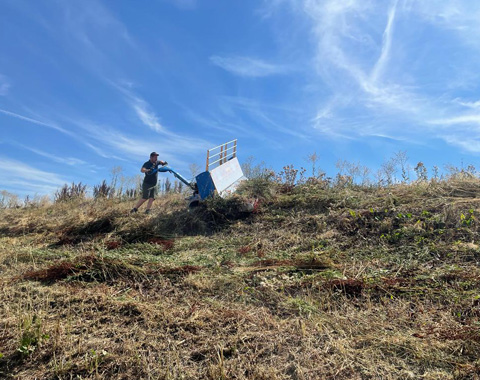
[[222, 175]]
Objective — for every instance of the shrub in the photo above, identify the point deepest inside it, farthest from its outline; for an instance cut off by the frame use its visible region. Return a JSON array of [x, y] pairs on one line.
[[8, 200], [103, 190], [260, 187], [70, 192]]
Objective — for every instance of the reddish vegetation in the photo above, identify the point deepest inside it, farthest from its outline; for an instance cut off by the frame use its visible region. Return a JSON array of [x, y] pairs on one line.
[[397, 281], [51, 274], [102, 269], [256, 206], [113, 245], [244, 250], [166, 244]]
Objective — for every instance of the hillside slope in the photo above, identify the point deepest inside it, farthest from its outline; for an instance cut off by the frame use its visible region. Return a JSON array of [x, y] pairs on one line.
[[317, 283]]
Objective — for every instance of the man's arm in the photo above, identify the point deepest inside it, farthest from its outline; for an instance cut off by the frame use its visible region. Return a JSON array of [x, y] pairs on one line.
[[144, 169]]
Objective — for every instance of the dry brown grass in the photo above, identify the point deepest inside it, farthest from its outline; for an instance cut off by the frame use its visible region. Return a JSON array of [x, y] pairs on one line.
[[354, 283]]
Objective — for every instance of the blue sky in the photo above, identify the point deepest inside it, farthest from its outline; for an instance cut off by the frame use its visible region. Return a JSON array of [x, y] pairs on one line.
[[92, 84]]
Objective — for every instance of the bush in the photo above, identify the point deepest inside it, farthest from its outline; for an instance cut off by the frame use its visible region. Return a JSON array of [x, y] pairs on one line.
[[103, 190], [70, 192], [261, 188], [8, 200]]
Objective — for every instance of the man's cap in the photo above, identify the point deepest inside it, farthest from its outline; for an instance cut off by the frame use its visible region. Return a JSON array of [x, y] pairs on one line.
[[154, 154]]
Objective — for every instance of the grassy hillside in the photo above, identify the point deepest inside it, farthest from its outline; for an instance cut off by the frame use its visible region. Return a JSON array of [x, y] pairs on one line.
[[320, 282]]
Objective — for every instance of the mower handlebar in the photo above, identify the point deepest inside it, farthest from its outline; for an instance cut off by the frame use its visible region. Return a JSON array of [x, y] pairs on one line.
[[165, 168]]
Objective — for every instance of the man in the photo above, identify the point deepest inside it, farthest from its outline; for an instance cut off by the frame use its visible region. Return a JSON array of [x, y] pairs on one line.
[[149, 182]]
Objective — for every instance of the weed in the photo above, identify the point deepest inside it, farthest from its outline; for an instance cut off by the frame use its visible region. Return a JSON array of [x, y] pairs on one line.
[[32, 335], [300, 306], [93, 360], [468, 219]]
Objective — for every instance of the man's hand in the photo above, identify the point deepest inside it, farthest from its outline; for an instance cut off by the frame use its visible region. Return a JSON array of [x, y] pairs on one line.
[[163, 163]]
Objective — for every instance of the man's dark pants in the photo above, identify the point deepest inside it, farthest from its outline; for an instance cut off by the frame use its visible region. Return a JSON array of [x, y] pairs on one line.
[[148, 191]]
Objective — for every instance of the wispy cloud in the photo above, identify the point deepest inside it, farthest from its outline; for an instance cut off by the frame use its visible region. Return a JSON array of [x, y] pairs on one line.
[[110, 143], [4, 85], [468, 104], [71, 161], [142, 109], [147, 116], [382, 61], [470, 145], [248, 67], [459, 119], [25, 179], [86, 19], [38, 122], [259, 112], [339, 35], [85, 140], [369, 56], [94, 36]]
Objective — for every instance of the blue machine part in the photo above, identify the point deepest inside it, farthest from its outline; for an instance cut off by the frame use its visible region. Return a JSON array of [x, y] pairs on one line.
[[163, 169], [206, 187]]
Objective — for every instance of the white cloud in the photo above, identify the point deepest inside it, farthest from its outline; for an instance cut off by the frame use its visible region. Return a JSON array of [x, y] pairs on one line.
[[391, 69], [110, 143], [248, 67], [457, 15], [257, 111], [173, 141], [25, 179], [38, 122], [71, 161], [459, 119], [76, 135], [382, 61], [146, 116], [471, 145], [140, 106], [343, 41], [474, 105], [4, 85]]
